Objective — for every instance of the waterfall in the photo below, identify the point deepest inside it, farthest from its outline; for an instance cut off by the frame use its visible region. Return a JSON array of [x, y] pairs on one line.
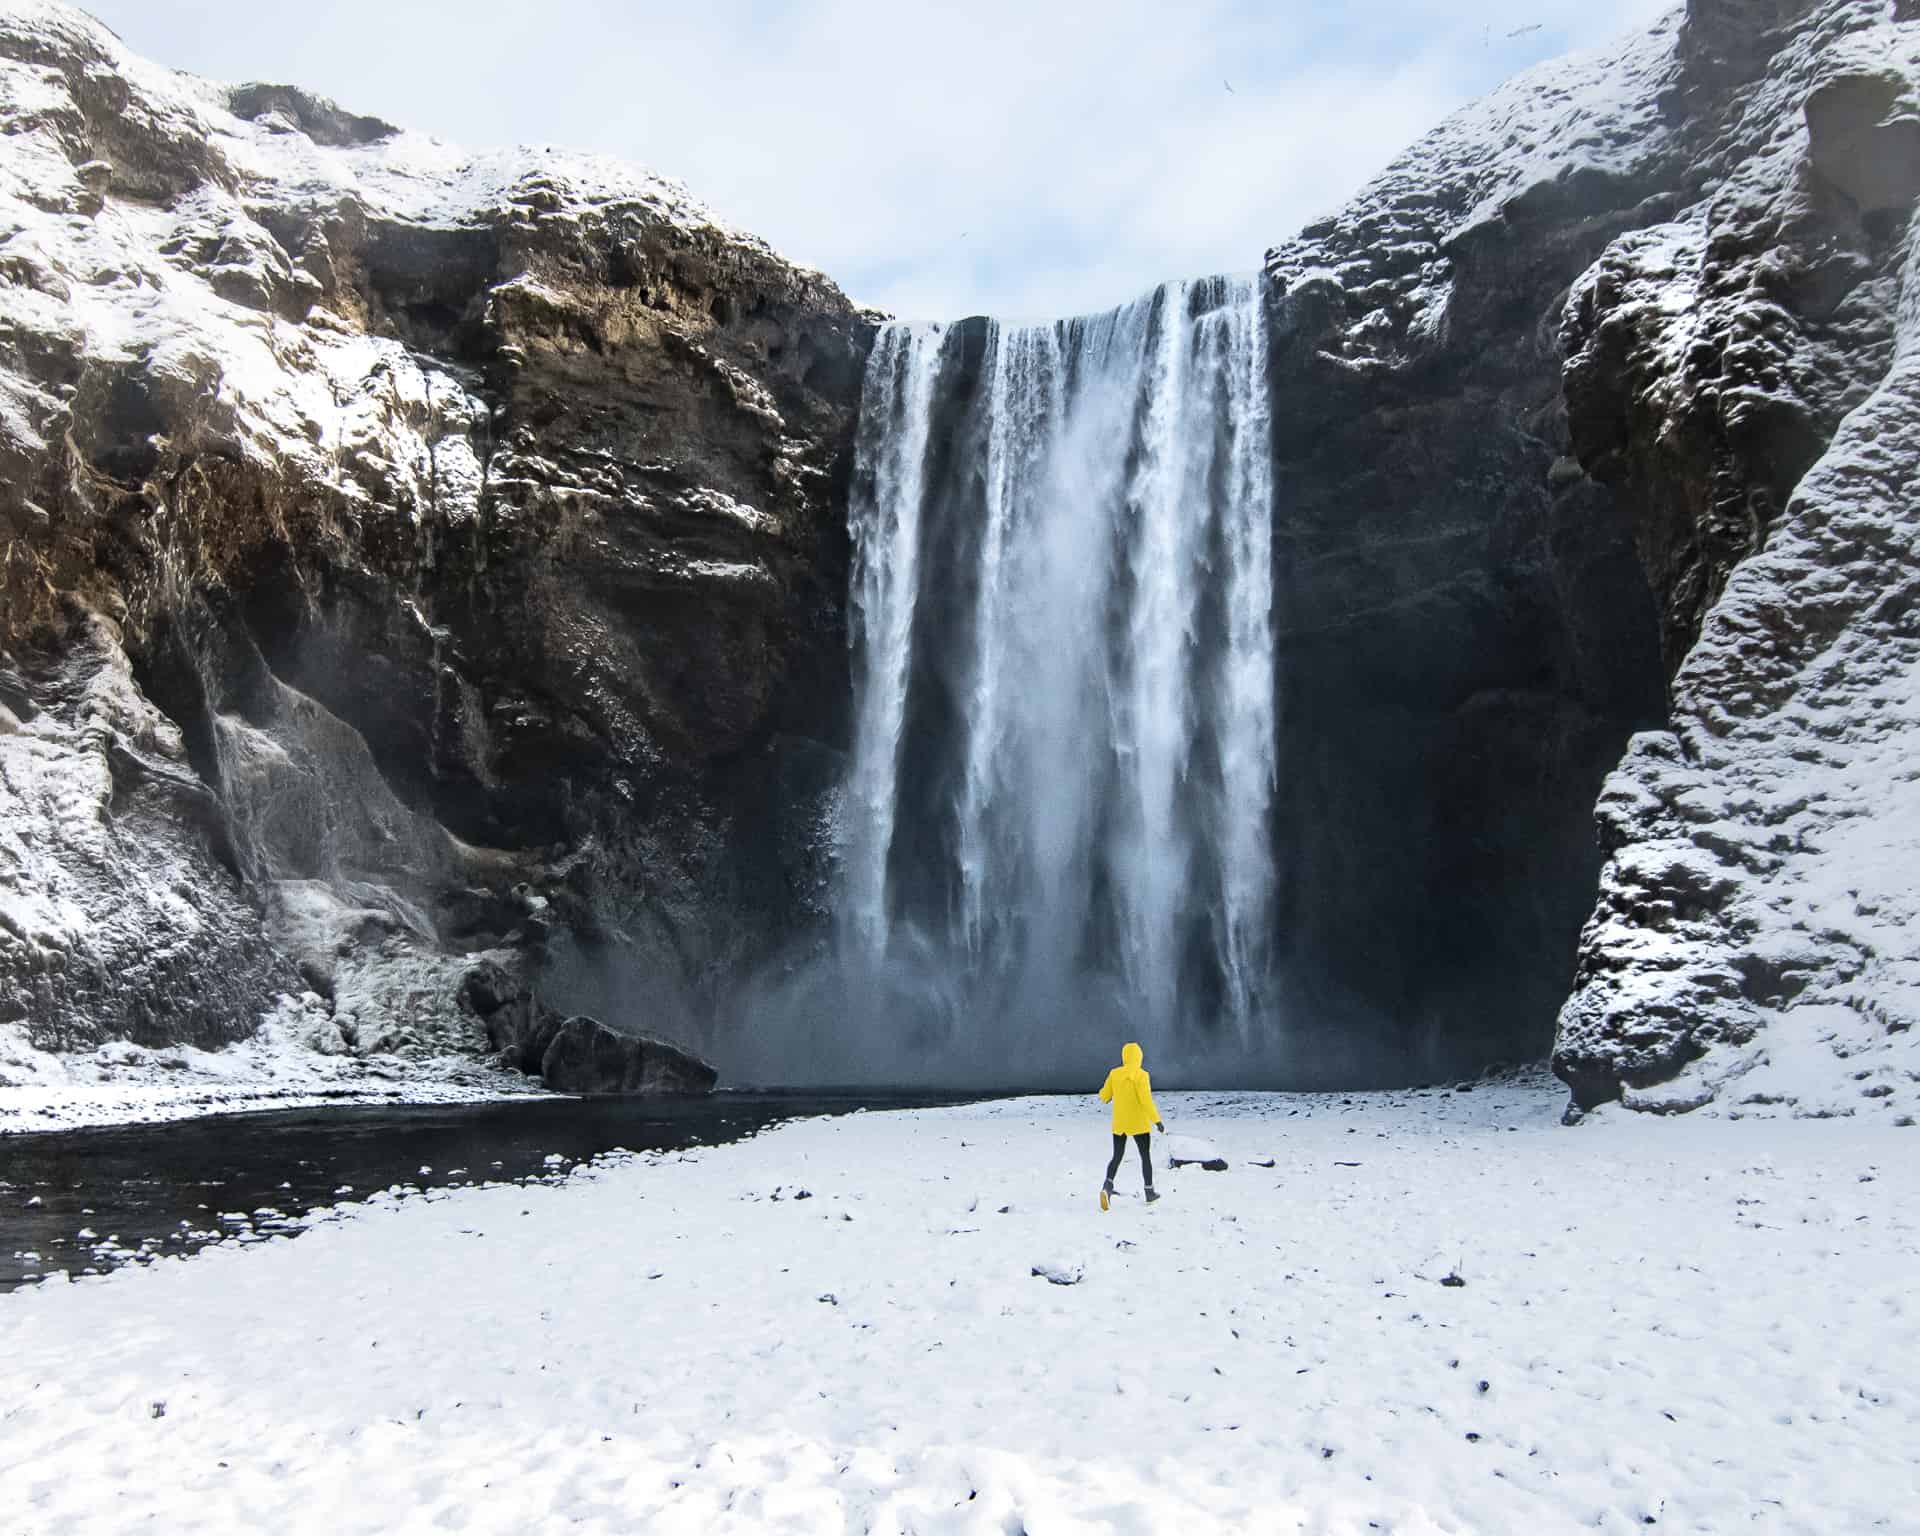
[[1057, 823], [895, 422]]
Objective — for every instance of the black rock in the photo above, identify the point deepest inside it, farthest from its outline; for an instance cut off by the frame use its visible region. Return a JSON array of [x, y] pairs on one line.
[[585, 1056]]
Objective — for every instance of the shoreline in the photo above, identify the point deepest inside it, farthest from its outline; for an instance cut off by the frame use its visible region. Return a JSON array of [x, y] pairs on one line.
[[120, 1083], [112, 1106]]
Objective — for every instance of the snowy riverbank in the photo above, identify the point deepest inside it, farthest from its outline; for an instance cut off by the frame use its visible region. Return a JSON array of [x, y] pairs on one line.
[[275, 1068], [1706, 1324]]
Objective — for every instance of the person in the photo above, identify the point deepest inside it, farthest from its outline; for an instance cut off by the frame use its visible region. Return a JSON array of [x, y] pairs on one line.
[[1129, 1090]]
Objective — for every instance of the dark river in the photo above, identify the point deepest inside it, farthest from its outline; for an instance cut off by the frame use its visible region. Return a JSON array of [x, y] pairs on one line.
[[95, 1200]]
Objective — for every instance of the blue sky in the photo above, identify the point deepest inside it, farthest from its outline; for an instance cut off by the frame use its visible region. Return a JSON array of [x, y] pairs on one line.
[[1025, 160]]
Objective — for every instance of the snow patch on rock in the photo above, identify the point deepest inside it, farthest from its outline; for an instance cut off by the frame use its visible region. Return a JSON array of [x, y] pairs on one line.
[[1590, 116]]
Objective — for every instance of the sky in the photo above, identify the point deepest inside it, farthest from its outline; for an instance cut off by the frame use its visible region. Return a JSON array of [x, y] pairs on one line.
[[1025, 160]]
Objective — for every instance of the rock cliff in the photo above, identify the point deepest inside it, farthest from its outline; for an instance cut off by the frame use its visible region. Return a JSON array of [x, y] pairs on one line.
[[1744, 373], [1603, 386], [422, 601], [413, 560], [1465, 635]]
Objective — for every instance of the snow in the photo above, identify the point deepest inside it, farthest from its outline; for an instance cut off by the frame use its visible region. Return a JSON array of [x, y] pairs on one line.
[[1598, 113], [284, 1065], [1442, 1312]]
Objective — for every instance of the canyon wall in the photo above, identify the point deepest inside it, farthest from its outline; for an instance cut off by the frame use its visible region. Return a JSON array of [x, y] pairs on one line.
[[423, 609], [1743, 373], [1466, 636], [1564, 453], [416, 564]]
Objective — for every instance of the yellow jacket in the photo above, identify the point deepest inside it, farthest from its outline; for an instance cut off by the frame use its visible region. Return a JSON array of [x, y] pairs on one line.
[[1130, 1091]]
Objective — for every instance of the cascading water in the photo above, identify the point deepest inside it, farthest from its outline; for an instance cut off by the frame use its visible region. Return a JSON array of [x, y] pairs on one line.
[[1056, 827]]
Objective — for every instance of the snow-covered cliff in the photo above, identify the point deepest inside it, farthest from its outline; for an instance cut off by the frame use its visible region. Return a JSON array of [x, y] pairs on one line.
[[390, 534], [1660, 291], [1466, 636], [424, 577], [1747, 373]]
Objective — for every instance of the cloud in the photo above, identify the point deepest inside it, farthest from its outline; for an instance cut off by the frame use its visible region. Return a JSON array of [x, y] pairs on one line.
[[1022, 159]]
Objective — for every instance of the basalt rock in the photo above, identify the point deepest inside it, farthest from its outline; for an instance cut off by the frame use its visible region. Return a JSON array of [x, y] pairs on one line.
[[1742, 373], [585, 1056], [1590, 433], [1466, 639], [411, 563], [574, 1054]]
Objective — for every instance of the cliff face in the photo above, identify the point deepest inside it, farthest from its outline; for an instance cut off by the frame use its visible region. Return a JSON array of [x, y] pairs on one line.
[[411, 559], [1466, 638], [1744, 373], [1562, 415]]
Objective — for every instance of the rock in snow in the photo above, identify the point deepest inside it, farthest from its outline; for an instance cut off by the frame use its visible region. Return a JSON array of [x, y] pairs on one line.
[[1195, 1151]]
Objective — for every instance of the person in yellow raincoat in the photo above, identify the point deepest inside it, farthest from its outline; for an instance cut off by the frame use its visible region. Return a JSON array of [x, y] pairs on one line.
[[1130, 1091]]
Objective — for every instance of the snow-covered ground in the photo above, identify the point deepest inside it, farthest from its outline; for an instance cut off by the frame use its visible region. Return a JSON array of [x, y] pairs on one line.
[[277, 1067], [1706, 1325]]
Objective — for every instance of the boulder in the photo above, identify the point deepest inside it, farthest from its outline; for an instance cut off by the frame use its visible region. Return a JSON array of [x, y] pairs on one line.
[[583, 1055]]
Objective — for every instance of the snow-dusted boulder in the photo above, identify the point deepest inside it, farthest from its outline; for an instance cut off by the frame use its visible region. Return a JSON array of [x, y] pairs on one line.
[[583, 1055], [1194, 1152]]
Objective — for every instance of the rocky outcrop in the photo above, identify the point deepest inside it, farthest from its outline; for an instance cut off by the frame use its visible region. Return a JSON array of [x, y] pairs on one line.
[[1466, 638], [117, 901], [411, 558], [574, 1054], [1744, 374], [1563, 415]]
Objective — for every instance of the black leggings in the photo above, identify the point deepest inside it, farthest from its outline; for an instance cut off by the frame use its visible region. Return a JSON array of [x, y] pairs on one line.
[[1120, 1151]]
